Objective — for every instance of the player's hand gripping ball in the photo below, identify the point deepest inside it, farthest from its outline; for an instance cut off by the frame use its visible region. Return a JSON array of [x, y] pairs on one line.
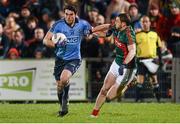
[[59, 39]]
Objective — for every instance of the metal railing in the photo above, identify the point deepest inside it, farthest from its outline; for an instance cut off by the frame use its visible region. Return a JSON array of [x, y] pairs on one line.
[[102, 65]]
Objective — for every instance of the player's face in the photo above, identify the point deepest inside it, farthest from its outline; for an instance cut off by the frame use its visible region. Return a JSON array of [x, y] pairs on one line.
[[118, 23], [70, 16]]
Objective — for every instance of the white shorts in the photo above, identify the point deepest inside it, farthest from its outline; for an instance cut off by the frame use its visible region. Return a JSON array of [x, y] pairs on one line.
[[127, 77]]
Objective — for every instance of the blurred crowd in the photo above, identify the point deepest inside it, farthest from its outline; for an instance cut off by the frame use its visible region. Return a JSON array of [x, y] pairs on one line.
[[23, 24]]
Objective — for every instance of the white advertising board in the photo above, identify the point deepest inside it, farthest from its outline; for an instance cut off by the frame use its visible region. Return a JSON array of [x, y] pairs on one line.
[[34, 80]]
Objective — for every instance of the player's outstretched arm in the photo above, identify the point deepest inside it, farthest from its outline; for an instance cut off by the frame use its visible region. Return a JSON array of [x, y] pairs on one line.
[[48, 40], [101, 28]]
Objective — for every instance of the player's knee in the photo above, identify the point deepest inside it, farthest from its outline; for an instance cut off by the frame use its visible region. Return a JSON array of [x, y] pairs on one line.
[[64, 81], [108, 97], [59, 86], [104, 92]]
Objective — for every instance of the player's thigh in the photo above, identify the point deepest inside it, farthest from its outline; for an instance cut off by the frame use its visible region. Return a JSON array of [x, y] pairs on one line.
[[109, 81], [65, 75], [69, 69], [127, 76], [58, 68]]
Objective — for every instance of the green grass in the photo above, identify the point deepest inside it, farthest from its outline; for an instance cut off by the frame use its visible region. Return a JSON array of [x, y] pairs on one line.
[[80, 113]]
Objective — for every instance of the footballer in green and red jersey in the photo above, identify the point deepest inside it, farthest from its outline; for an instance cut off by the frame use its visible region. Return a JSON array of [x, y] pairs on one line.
[[122, 70]]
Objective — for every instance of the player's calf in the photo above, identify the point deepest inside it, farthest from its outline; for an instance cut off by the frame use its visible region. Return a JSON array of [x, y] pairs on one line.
[[133, 82], [156, 91]]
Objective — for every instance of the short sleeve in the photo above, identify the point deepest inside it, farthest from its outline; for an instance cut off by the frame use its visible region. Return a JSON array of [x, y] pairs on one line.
[[87, 27], [131, 38], [159, 42]]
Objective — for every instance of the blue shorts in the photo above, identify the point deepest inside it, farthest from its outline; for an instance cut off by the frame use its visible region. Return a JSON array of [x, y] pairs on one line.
[[60, 65]]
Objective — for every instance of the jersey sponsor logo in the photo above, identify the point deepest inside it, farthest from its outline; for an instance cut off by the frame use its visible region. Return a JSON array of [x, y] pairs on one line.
[[73, 40]]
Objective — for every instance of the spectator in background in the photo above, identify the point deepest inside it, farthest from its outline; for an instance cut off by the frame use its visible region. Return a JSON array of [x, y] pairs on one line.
[[19, 43], [4, 43], [5, 7], [158, 21], [39, 53], [52, 6], [45, 18], [37, 42], [135, 17], [60, 14], [10, 27], [13, 54], [100, 20], [17, 4], [25, 13], [92, 16], [100, 4], [34, 6], [32, 24], [120, 6], [174, 42], [173, 27], [15, 15], [162, 4], [147, 44]]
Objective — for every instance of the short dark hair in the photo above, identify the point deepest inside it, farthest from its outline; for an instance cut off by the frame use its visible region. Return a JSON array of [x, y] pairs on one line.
[[71, 7], [125, 18], [19, 30], [32, 19]]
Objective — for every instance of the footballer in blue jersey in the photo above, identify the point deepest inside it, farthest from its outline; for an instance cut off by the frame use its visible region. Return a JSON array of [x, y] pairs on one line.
[[68, 56]]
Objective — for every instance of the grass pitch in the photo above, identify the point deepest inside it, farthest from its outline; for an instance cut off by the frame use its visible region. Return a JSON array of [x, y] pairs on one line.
[[80, 113]]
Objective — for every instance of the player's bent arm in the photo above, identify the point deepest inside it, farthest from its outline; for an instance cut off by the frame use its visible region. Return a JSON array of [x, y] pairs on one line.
[[131, 53], [100, 34], [47, 40], [102, 27]]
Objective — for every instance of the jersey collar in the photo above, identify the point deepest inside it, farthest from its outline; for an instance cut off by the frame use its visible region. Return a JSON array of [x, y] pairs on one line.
[[76, 21]]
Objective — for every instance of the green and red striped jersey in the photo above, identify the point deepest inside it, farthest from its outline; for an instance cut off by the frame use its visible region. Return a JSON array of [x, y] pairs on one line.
[[122, 39]]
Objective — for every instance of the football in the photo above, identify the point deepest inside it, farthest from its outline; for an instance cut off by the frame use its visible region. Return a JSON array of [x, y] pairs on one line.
[[59, 38]]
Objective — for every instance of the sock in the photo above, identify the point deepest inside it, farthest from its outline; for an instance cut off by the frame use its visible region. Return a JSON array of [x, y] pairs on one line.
[[95, 112], [60, 95], [139, 95], [156, 90], [65, 98]]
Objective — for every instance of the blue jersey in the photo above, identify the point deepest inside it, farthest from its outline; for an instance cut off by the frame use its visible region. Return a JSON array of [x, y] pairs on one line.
[[74, 36]]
